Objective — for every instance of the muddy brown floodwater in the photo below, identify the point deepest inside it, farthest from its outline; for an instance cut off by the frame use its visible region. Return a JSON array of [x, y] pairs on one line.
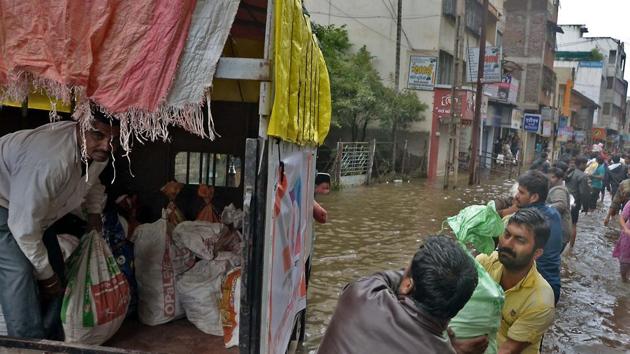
[[379, 227]]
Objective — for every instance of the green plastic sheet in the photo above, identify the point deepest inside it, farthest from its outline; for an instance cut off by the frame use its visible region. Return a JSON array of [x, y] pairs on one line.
[[479, 225], [482, 313]]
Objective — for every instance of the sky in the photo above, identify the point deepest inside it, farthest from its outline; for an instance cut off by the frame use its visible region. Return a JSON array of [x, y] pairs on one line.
[[604, 18]]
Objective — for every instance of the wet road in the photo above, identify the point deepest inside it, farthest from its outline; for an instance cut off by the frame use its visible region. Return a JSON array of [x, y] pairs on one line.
[[379, 227]]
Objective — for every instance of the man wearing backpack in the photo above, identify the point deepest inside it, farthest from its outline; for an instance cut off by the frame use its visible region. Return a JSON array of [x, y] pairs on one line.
[[578, 184]]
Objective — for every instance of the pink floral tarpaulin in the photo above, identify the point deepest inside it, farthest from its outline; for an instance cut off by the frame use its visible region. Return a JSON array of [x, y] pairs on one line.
[[122, 55]]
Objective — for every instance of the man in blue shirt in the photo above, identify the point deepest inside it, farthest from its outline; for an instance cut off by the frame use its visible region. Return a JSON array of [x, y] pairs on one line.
[[533, 187]]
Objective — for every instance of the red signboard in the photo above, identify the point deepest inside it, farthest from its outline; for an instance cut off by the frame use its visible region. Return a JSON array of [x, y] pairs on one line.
[[464, 103], [599, 134]]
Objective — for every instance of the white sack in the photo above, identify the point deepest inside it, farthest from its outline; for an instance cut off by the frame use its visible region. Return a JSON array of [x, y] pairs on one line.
[[199, 291]]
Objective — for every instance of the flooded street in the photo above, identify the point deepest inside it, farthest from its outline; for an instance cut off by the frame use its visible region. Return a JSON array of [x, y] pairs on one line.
[[379, 227]]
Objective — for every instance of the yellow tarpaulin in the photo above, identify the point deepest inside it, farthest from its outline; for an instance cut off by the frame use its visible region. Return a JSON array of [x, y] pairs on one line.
[[302, 104], [40, 101]]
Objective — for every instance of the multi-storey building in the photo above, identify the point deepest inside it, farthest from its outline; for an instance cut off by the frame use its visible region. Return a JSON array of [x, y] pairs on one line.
[[611, 85], [530, 41], [428, 31]]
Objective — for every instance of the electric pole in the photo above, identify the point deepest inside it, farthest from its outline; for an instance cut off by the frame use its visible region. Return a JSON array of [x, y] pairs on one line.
[[473, 178], [452, 157], [397, 79], [398, 38]]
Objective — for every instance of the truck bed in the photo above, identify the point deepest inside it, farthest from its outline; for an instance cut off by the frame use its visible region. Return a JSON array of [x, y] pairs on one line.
[[178, 336]]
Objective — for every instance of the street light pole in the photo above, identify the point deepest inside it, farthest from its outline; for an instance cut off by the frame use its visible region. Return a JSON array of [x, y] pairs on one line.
[[473, 178]]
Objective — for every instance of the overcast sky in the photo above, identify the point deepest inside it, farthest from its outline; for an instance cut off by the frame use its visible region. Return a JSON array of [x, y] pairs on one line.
[[605, 18]]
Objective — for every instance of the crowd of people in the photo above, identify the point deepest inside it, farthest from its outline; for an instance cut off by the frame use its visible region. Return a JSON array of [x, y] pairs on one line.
[[415, 305]]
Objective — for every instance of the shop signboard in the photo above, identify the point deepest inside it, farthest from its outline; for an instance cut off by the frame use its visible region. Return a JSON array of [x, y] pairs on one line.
[[464, 103], [531, 122], [505, 91], [580, 136], [599, 134], [565, 134], [492, 71], [422, 73], [517, 118], [546, 113]]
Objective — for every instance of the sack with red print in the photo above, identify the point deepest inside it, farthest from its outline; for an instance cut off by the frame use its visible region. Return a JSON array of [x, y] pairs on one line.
[[97, 295], [158, 263]]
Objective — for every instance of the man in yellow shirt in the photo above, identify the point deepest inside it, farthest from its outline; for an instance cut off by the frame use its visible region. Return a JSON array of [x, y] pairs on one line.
[[529, 301]]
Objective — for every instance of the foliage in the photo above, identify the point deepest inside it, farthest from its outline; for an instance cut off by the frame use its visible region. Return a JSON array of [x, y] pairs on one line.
[[596, 55], [358, 94], [403, 108]]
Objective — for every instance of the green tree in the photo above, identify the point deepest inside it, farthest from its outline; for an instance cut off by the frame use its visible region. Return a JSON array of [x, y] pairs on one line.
[[358, 94], [356, 87], [401, 110]]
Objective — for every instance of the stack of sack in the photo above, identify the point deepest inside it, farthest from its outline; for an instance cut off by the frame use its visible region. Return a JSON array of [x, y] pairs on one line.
[[190, 268]]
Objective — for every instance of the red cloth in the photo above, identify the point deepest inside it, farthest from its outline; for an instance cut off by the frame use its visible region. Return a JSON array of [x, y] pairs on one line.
[[109, 47]]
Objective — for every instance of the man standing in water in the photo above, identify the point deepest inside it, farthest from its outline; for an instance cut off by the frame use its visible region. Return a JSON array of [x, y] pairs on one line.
[[578, 184], [529, 300], [533, 188]]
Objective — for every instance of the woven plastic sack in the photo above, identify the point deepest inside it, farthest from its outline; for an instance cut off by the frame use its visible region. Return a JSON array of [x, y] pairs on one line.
[[198, 237], [158, 262], [199, 291], [479, 225], [482, 313], [97, 295], [231, 307]]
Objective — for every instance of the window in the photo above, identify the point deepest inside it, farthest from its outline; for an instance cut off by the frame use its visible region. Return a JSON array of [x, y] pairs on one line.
[[499, 41], [612, 57], [445, 66], [448, 8], [606, 108], [473, 16], [609, 82], [219, 170]]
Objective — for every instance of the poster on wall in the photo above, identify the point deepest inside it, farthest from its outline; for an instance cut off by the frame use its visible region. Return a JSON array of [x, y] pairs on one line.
[[291, 224], [531, 122], [492, 71], [422, 73], [547, 128]]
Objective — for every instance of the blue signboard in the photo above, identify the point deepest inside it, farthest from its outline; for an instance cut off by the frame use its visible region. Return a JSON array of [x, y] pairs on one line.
[[591, 64], [531, 122]]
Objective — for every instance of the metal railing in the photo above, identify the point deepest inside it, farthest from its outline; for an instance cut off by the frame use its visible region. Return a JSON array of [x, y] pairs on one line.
[[494, 163]]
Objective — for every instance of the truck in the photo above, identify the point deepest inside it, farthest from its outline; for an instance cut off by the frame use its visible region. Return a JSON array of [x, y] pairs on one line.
[[269, 175]]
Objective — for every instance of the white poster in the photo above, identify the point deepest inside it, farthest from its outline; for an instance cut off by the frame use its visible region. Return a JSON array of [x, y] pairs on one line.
[[422, 73], [291, 224], [492, 70]]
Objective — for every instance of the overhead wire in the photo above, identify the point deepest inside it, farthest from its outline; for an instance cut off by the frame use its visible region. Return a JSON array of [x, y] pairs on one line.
[[393, 13], [361, 23]]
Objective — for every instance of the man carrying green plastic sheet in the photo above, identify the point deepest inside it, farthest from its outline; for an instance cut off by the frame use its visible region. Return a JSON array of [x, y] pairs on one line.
[[529, 300]]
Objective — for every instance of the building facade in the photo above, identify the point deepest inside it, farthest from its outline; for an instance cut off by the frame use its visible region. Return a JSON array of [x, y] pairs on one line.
[[428, 31], [530, 42], [612, 86]]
